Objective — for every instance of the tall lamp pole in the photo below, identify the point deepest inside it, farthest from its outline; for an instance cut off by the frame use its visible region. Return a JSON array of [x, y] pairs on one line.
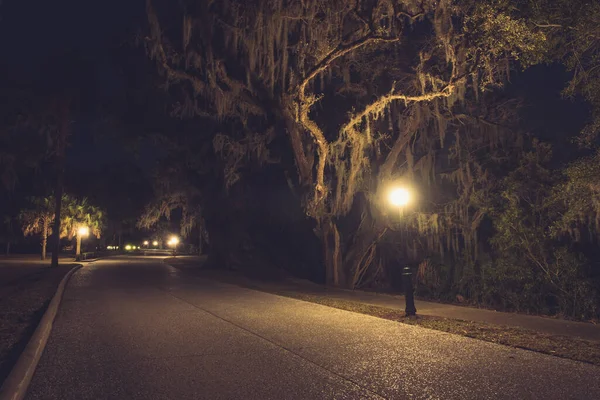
[[400, 197], [81, 232], [173, 242]]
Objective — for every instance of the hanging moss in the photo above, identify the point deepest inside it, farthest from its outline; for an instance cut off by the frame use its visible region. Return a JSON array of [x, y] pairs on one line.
[[254, 65]]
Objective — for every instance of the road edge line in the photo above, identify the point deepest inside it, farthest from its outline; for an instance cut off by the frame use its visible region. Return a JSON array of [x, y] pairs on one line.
[[16, 384]]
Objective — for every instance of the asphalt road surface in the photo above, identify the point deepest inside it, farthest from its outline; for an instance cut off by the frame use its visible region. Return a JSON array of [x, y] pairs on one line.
[[135, 328]]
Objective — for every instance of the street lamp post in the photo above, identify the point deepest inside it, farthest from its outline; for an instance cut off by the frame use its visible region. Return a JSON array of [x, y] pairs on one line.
[[400, 197], [409, 296], [81, 232], [173, 242]]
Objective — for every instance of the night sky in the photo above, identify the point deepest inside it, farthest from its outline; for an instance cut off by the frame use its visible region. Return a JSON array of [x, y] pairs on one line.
[[78, 43], [77, 47]]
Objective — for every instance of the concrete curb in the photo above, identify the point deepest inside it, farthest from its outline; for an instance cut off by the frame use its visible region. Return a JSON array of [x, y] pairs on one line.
[[16, 384]]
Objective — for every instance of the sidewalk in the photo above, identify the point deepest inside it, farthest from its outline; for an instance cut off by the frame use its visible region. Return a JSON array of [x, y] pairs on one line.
[[582, 330], [553, 326]]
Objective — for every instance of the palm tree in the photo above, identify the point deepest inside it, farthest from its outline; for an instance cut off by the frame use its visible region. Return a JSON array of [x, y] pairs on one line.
[[38, 219], [80, 214]]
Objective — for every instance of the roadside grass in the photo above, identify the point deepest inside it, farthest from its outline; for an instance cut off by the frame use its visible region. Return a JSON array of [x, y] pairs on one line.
[[22, 304], [556, 345]]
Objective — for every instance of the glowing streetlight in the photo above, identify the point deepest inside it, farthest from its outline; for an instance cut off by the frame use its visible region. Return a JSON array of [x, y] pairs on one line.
[[128, 247], [145, 243], [82, 231], [155, 243], [173, 241], [399, 197]]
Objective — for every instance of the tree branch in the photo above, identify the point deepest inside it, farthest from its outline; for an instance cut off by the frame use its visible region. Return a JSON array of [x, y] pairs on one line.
[[480, 120], [200, 87], [383, 101], [160, 54], [322, 147], [548, 25], [305, 103], [390, 160], [340, 51], [411, 17]]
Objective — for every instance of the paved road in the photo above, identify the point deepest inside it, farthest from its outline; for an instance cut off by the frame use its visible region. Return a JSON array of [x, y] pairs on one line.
[[135, 328]]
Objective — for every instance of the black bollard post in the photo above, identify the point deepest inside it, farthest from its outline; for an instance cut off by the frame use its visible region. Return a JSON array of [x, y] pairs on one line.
[[408, 292]]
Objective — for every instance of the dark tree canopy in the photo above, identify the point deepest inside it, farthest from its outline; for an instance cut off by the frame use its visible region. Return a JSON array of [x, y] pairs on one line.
[[366, 93]]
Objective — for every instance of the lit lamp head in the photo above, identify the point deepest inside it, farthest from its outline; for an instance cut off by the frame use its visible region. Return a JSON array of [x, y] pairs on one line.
[[83, 231], [174, 241], [155, 243], [145, 243], [399, 197]]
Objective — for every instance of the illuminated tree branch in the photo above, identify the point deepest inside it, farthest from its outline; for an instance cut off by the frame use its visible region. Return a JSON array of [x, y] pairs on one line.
[[383, 101], [306, 102], [341, 51]]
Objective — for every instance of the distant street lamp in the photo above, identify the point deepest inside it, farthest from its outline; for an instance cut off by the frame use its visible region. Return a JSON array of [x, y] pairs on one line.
[[400, 197], [145, 243], [155, 243], [83, 231], [173, 242]]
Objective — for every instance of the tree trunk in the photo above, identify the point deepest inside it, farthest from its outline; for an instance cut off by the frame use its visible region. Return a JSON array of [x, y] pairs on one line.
[[303, 163], [44, 238], [63, 114], [57, 207], [78, 248], [360, 257], [200, 240], [332, 252], [360, 263]]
